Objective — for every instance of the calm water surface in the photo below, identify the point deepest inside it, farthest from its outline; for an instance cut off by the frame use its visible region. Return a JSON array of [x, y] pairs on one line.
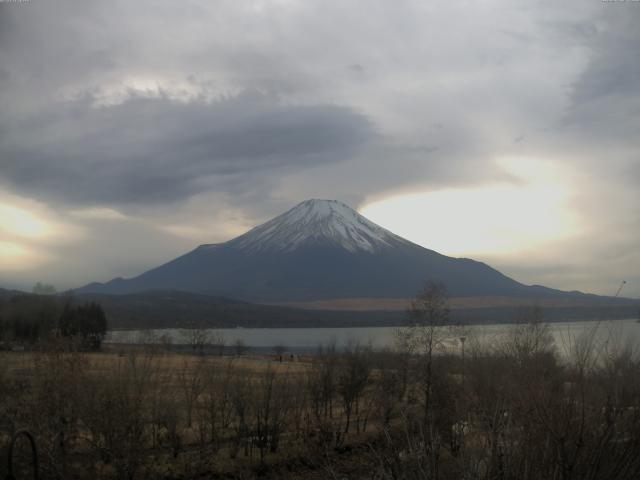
[[609, 332]]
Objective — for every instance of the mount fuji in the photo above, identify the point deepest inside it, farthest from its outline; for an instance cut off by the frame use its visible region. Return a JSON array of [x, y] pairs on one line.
[[320, 250]]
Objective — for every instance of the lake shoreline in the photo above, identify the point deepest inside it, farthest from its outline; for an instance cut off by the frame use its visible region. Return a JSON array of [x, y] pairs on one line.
[[308, 340]]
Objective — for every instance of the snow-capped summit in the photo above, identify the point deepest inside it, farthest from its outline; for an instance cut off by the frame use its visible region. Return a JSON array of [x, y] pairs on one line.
[[316, 222]]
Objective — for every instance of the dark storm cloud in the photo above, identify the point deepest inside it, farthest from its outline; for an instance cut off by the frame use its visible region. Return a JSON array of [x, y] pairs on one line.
[[606, 97], [139, 107], [600, 127], [613, 69], [149, 150], [154, 150]]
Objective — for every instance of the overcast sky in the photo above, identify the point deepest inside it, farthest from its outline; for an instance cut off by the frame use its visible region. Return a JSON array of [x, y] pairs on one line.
[[506, 131]]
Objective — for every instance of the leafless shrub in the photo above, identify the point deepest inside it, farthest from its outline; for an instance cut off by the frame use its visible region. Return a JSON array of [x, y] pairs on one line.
[[116, 417], [239, 347], [279, 351], [271, 406], [322, 382], [216, 407], [353, 378], [197, 337], [56, 402], [218, 341], [190, 380]]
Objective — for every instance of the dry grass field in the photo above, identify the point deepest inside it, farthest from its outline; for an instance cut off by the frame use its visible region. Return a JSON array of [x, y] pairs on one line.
[[140, 412], [509, 411]]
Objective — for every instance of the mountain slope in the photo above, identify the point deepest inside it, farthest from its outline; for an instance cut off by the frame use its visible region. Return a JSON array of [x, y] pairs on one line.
[[320, 249]]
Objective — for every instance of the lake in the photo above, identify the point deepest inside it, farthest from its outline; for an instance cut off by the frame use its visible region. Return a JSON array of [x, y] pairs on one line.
[[306, 340]]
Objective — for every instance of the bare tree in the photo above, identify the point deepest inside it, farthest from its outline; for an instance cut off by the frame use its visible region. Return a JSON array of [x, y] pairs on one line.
[[271, 405], [216, 406], [427, 313], [197, 336], [218, 341], [353, 377], [388, 385], [530, 337], [242, 403], [190, 380], [279, 350], [239, 347], [116, 414]]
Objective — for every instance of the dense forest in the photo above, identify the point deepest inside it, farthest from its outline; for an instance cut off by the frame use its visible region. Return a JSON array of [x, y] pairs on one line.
[[32, 319]]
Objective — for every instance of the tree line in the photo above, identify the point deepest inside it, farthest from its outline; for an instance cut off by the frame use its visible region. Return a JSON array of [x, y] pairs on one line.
[[31, 319]]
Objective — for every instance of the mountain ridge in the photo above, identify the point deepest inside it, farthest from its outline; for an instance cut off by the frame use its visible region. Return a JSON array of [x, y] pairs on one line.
[[318, 250]]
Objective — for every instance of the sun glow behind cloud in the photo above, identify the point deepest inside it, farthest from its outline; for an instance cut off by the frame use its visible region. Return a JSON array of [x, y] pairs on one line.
[[15, 257], [497, 219], [20, 222], [30, 232]]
